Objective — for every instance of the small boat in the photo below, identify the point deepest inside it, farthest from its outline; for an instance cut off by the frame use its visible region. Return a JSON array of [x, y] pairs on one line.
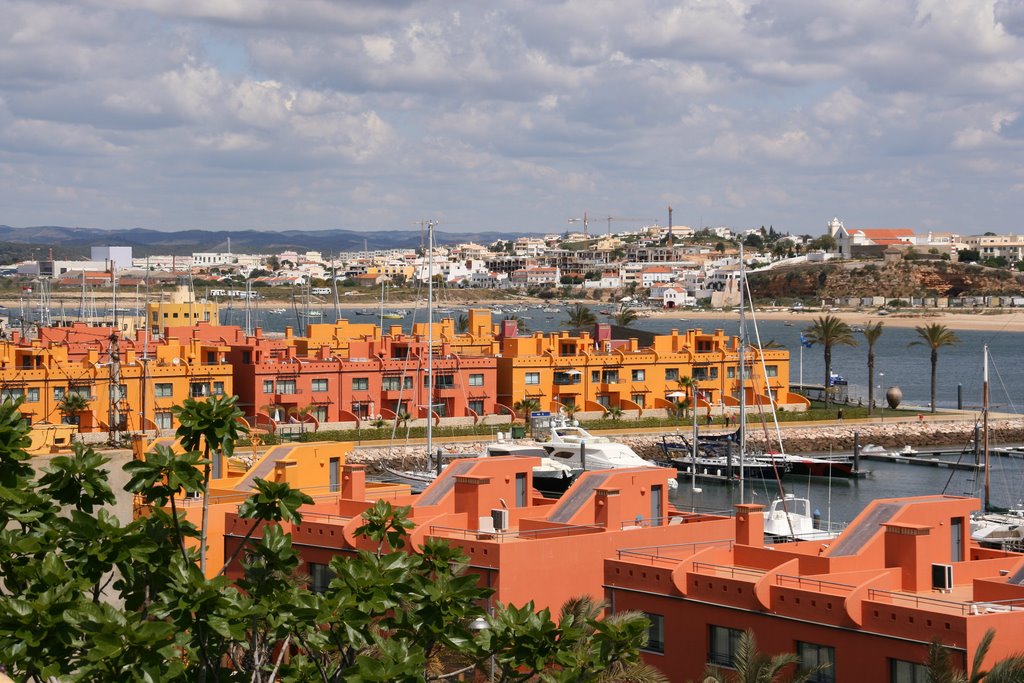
[[315, 314], [392, 316], [790, 519], [278, 311], [807, 466], [872, 449], [907, 451]]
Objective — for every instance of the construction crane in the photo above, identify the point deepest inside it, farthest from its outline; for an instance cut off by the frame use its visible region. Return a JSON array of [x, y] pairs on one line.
[[584, 220], [621, 218]]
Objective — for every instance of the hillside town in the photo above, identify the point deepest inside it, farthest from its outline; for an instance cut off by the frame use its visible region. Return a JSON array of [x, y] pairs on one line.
[[660, 267]]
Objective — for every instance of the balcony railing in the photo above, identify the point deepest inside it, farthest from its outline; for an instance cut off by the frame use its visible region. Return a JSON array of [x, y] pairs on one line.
[[732, 571], [530, 534], [671, 553]]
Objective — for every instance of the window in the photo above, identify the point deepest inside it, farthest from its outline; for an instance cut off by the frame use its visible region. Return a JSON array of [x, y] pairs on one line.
[[12, 394], [286, 386], [477, 406], [218, 388], [730, 372], [722, 645], [320, 576], [32, 396], [705, 373], [595, 376], [771, 371], [163, 420], [444, 381], [901, 671], [605, 401], [637, 399], [84, 392], [533, 378], [196, 389], [163, 390], [476, 380], [320, 385], [671, 374], [360, 384], [655, 633], [268, 386], [812, 656], [610, 376], [639, 375], [58, 393], [320, 413]]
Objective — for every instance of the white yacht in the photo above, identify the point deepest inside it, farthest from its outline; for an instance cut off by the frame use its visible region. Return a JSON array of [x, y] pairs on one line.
[[791, 519]]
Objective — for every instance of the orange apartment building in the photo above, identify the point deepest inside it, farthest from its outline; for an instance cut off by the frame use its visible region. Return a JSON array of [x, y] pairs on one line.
[[356, 380], [155, 375], [867, 603], [596, 373]]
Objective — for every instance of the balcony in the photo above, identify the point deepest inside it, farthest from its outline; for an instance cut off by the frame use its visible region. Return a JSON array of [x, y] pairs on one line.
[[566, 381]]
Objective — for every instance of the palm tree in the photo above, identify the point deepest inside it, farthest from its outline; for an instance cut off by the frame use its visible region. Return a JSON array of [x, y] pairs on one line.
[[872, 331], [580, 316], [626, 316], [214, 424], [615, 413], [752, 666], [581, 614], [934, 336], [71, 404], [525, 407], [688, 385], [940, 666], [828, 330], [462, 324], [300, 414]]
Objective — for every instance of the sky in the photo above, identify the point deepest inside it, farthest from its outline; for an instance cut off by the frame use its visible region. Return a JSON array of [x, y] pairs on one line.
[[512, 116]]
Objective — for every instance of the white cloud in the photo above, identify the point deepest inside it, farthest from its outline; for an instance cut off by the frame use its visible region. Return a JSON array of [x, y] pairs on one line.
[[260, 111]]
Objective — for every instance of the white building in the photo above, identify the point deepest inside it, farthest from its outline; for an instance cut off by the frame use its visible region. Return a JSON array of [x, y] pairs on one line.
[[120, 257]]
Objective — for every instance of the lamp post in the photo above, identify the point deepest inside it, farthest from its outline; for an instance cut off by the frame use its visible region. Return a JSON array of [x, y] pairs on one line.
[[477, 625], [881, 389]]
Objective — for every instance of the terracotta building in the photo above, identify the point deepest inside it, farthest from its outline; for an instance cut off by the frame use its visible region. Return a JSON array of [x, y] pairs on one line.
[[866, 603]]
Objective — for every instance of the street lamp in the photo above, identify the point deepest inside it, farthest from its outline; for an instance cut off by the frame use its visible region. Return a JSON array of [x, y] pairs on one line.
[[477, 625], [881, 389]]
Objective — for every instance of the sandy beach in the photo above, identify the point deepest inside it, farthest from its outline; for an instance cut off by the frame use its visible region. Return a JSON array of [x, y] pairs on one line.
[[984, 320]]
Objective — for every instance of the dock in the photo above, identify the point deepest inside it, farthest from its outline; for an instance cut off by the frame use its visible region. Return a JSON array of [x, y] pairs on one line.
[[923, 461]]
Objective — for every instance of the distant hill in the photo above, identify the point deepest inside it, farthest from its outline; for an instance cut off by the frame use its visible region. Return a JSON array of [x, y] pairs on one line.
[[147, 242]]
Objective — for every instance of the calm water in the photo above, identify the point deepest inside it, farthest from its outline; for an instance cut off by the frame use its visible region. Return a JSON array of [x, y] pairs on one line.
[[849, 496]]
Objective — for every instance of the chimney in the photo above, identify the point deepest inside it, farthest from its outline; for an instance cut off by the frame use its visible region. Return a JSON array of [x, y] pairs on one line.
[[750, 524], [509, 328], [353, 482]]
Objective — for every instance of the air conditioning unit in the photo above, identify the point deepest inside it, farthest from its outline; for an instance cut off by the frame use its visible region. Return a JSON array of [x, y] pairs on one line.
[[942, 577], [500, 517]]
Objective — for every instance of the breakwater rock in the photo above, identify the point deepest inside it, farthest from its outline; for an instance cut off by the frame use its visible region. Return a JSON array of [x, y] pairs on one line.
[[795, 439]]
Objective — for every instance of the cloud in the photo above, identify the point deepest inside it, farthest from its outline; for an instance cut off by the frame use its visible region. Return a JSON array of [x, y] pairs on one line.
[[364, 113]]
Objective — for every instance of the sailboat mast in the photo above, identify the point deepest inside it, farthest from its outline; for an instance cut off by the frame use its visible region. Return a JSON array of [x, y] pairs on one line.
[[334, 283], [742, 370], [430, 337], [984, 428]]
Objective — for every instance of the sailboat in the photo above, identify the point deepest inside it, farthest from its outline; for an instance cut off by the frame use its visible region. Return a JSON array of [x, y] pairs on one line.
[[994, 527], [550, 470]]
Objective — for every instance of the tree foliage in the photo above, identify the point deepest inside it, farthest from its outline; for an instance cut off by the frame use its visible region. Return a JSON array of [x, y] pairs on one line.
[[86, 597], [828, 330]]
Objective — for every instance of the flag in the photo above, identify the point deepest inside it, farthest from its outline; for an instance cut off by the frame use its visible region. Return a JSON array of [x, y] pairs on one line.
[[805, 342]]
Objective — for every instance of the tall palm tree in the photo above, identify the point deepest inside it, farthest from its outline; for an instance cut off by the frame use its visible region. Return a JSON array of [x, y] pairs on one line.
[[828, 330], [580, 316], [462, 324], [626, 316], [688, 385], [934, 336], [872, 331], [752, 666]]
